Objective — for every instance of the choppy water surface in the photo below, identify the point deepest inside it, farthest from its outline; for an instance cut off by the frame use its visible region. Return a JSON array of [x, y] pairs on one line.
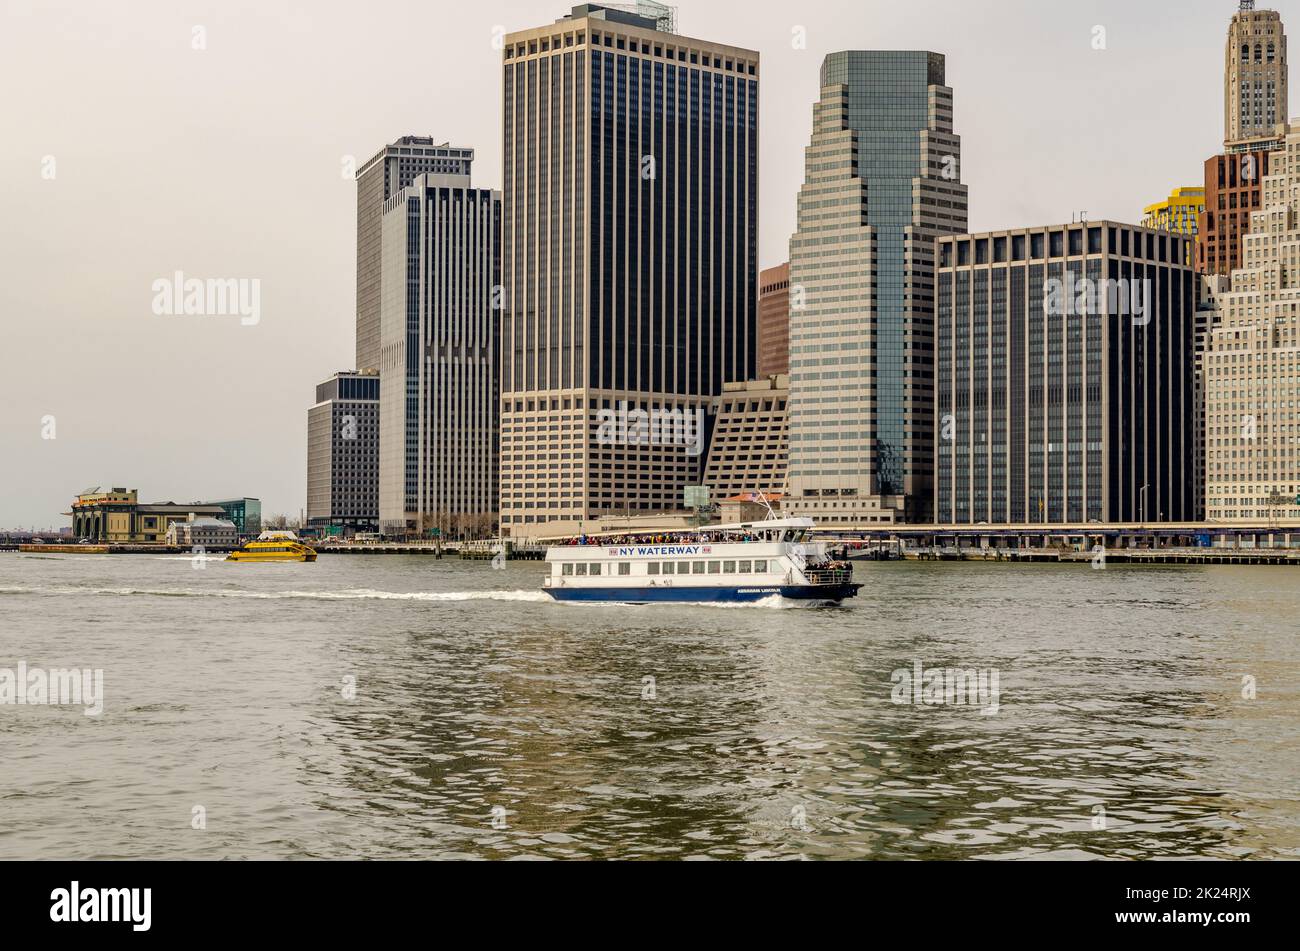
[[767, 732]]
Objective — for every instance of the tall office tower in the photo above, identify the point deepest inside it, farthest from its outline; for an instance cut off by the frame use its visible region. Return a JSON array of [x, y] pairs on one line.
[[1064, 371], [343, 453], [439, 347], [388, 171], [1254, 74], [1253, 359], [774, 321], [882, 183], [1255, 85], [629, 258]]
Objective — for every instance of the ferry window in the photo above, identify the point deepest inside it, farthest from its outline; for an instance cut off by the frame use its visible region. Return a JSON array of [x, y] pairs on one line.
[[568, 569], [625, 568], [595, 569], [760, 567], [683, 567], [746, 567], [729, 567], [582, 569], [715, 567], [697, 567], [652, 568]]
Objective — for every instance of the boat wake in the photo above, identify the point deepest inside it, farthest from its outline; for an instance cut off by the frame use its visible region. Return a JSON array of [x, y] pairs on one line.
[[357, 594], [773, 603]]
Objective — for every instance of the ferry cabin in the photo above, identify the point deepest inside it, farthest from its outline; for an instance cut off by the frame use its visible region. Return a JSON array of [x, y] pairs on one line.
[[722, 563]]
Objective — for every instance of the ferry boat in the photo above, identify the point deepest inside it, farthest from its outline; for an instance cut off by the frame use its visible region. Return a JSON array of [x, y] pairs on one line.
[[721, 563], [274, 546]]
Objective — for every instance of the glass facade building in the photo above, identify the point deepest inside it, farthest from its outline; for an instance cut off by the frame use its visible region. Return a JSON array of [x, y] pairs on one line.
[[244, 514], [1065, 366], [882, 182]]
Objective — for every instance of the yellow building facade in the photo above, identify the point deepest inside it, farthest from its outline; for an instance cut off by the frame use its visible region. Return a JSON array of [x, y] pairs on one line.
[[1178, 213], [116, 515]]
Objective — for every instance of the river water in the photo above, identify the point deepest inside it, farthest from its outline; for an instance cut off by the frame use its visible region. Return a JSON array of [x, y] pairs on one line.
[[402, 707]]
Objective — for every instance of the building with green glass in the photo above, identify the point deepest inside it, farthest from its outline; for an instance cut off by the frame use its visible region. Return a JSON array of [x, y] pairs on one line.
[[245, 513], [882, 183]]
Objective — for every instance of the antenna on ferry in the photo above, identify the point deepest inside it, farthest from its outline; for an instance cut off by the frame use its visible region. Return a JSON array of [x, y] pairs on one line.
[[762, 497]]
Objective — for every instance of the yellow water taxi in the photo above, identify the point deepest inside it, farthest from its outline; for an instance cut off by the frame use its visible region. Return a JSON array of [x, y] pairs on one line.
[[274, 546]]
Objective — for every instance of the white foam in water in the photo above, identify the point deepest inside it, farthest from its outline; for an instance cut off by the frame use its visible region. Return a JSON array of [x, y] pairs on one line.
[[773, 603], [357, 594], [368, 594]]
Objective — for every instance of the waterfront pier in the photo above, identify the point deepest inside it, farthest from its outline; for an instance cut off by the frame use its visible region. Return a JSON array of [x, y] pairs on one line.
[[1172, 543]]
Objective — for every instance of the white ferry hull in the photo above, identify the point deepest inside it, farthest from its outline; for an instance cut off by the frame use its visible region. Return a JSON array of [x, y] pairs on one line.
[[824, 594]]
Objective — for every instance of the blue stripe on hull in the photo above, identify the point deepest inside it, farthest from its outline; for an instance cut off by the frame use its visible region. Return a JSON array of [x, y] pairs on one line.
[[705, 595]]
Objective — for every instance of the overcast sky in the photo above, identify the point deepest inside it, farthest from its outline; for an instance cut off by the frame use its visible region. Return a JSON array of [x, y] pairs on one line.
[[126, 154]]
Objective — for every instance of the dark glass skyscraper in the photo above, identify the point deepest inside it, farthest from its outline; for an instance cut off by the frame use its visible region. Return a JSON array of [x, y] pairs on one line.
[[882, 183], [629, 258], [1065, 368]]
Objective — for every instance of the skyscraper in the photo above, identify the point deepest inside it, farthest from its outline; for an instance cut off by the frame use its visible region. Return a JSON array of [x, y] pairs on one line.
[[1252, 362], [390, 170], [630, 222], [882, 182], [1064, 372], [1254, 74], [439, 340], [1255, 84]]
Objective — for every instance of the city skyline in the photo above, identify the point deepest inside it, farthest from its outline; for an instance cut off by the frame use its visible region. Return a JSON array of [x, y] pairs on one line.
[[236, 427]]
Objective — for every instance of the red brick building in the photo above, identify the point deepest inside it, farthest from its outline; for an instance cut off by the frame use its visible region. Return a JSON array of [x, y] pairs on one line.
[[774, 321], [1233, 185]]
